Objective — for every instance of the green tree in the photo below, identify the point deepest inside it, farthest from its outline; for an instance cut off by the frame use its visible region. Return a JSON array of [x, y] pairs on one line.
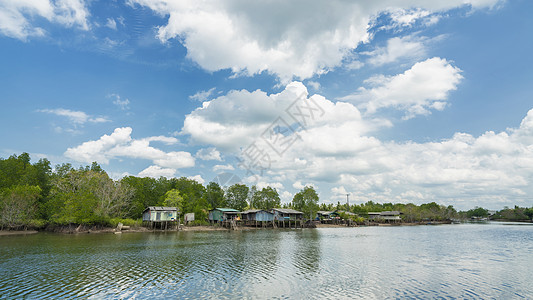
[[306, 200], [237, 196], [215, 195], [18, 205], [266, 198], [147, 191], [173, 199], [479, 212]]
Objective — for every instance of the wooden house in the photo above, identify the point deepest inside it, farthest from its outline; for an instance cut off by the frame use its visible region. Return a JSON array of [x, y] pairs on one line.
[[223, 214], [388, 216], [322, 214], [160, 215], [257, 215], [282, 214]]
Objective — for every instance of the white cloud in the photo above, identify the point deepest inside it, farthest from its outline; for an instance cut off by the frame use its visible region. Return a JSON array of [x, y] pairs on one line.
[[75, 117], [338, 151], [286, 38], [202, 95], [314, 84], [416, 91], [198, 178], [276, 185], [156, 172], [111, 23], [227, 167], [398, 47], [339, 191], [234, 121], [299, 186], [122, 104], [208, 154], [16, 16], [120, 144]]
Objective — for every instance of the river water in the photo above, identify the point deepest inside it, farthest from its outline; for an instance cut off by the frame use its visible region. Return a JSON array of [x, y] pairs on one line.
[[447, 261]]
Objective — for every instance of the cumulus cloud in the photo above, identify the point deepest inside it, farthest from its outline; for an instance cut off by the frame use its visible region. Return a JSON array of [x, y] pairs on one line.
[[338, 150], [208, 154], [286, 38], [423, 87], [16, 16], [75, 117], [198, 178], [157, 171], [299, 186], [227, 167], [121, 144], [234, 121], [396, 48]]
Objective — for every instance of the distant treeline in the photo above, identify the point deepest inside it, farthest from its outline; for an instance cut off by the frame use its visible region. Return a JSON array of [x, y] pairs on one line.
[[34, 195]]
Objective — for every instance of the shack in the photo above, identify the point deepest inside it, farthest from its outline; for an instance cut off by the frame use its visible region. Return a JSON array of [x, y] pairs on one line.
[[387, 216], [259, 215], [322, 214], [223, 214], [281, 214], [287, 216], [160, 215]]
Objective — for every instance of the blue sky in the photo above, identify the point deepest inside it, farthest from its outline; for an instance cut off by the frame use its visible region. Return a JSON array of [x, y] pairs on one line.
[[410, 101]]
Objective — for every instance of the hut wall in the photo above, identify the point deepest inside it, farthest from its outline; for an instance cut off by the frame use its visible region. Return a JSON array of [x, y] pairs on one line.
[[264, 216]]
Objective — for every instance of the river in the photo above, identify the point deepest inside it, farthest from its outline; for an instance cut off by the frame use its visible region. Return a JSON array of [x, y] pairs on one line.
[[447, 261]]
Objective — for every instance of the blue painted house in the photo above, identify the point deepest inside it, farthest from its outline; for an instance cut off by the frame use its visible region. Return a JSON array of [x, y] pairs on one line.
[[257, 215]]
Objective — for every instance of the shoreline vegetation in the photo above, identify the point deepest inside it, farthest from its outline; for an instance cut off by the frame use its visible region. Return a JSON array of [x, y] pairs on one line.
[[37, 197], [206, 228]]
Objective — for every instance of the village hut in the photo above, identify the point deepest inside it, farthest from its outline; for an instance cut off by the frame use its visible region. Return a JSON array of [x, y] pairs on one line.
[[223, 214], [289, 216], [387, 216], [322, 214], [160, 215], [257, 217]]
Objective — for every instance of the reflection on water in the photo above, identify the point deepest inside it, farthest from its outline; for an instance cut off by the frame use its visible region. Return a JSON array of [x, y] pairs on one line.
[[455, 261]]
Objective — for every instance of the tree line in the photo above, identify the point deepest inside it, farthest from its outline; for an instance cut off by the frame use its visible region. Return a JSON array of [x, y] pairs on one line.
[[35, 195]]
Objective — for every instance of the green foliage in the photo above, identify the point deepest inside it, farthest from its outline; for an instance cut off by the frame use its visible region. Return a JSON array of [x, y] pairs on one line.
[[267, 198], [18, 205], [237, 196], [87, 197], [479, 212], [215, 195], [514, 214], [126, 222], [173, 199], [198, 223], [31, 195], [306, 201]]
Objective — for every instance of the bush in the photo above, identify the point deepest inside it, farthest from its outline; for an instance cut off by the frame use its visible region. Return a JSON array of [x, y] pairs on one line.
[[126, 222], [198, 223], [37, 223]]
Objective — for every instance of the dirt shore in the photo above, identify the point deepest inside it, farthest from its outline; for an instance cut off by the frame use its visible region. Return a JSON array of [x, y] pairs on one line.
[[17, 232]]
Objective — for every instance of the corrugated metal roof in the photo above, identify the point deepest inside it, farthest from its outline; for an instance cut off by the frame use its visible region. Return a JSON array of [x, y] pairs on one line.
[[253, 211], [288, 211], [226, 209], [161, 208]]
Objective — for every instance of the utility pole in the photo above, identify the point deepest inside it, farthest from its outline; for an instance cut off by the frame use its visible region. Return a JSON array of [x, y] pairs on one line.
[[348, 201]]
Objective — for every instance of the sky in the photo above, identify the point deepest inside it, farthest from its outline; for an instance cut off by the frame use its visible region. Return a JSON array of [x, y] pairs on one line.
[[403, 101]]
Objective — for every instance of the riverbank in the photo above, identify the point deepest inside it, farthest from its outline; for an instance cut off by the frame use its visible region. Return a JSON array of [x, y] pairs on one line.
[[17, 232], [82, 229]]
